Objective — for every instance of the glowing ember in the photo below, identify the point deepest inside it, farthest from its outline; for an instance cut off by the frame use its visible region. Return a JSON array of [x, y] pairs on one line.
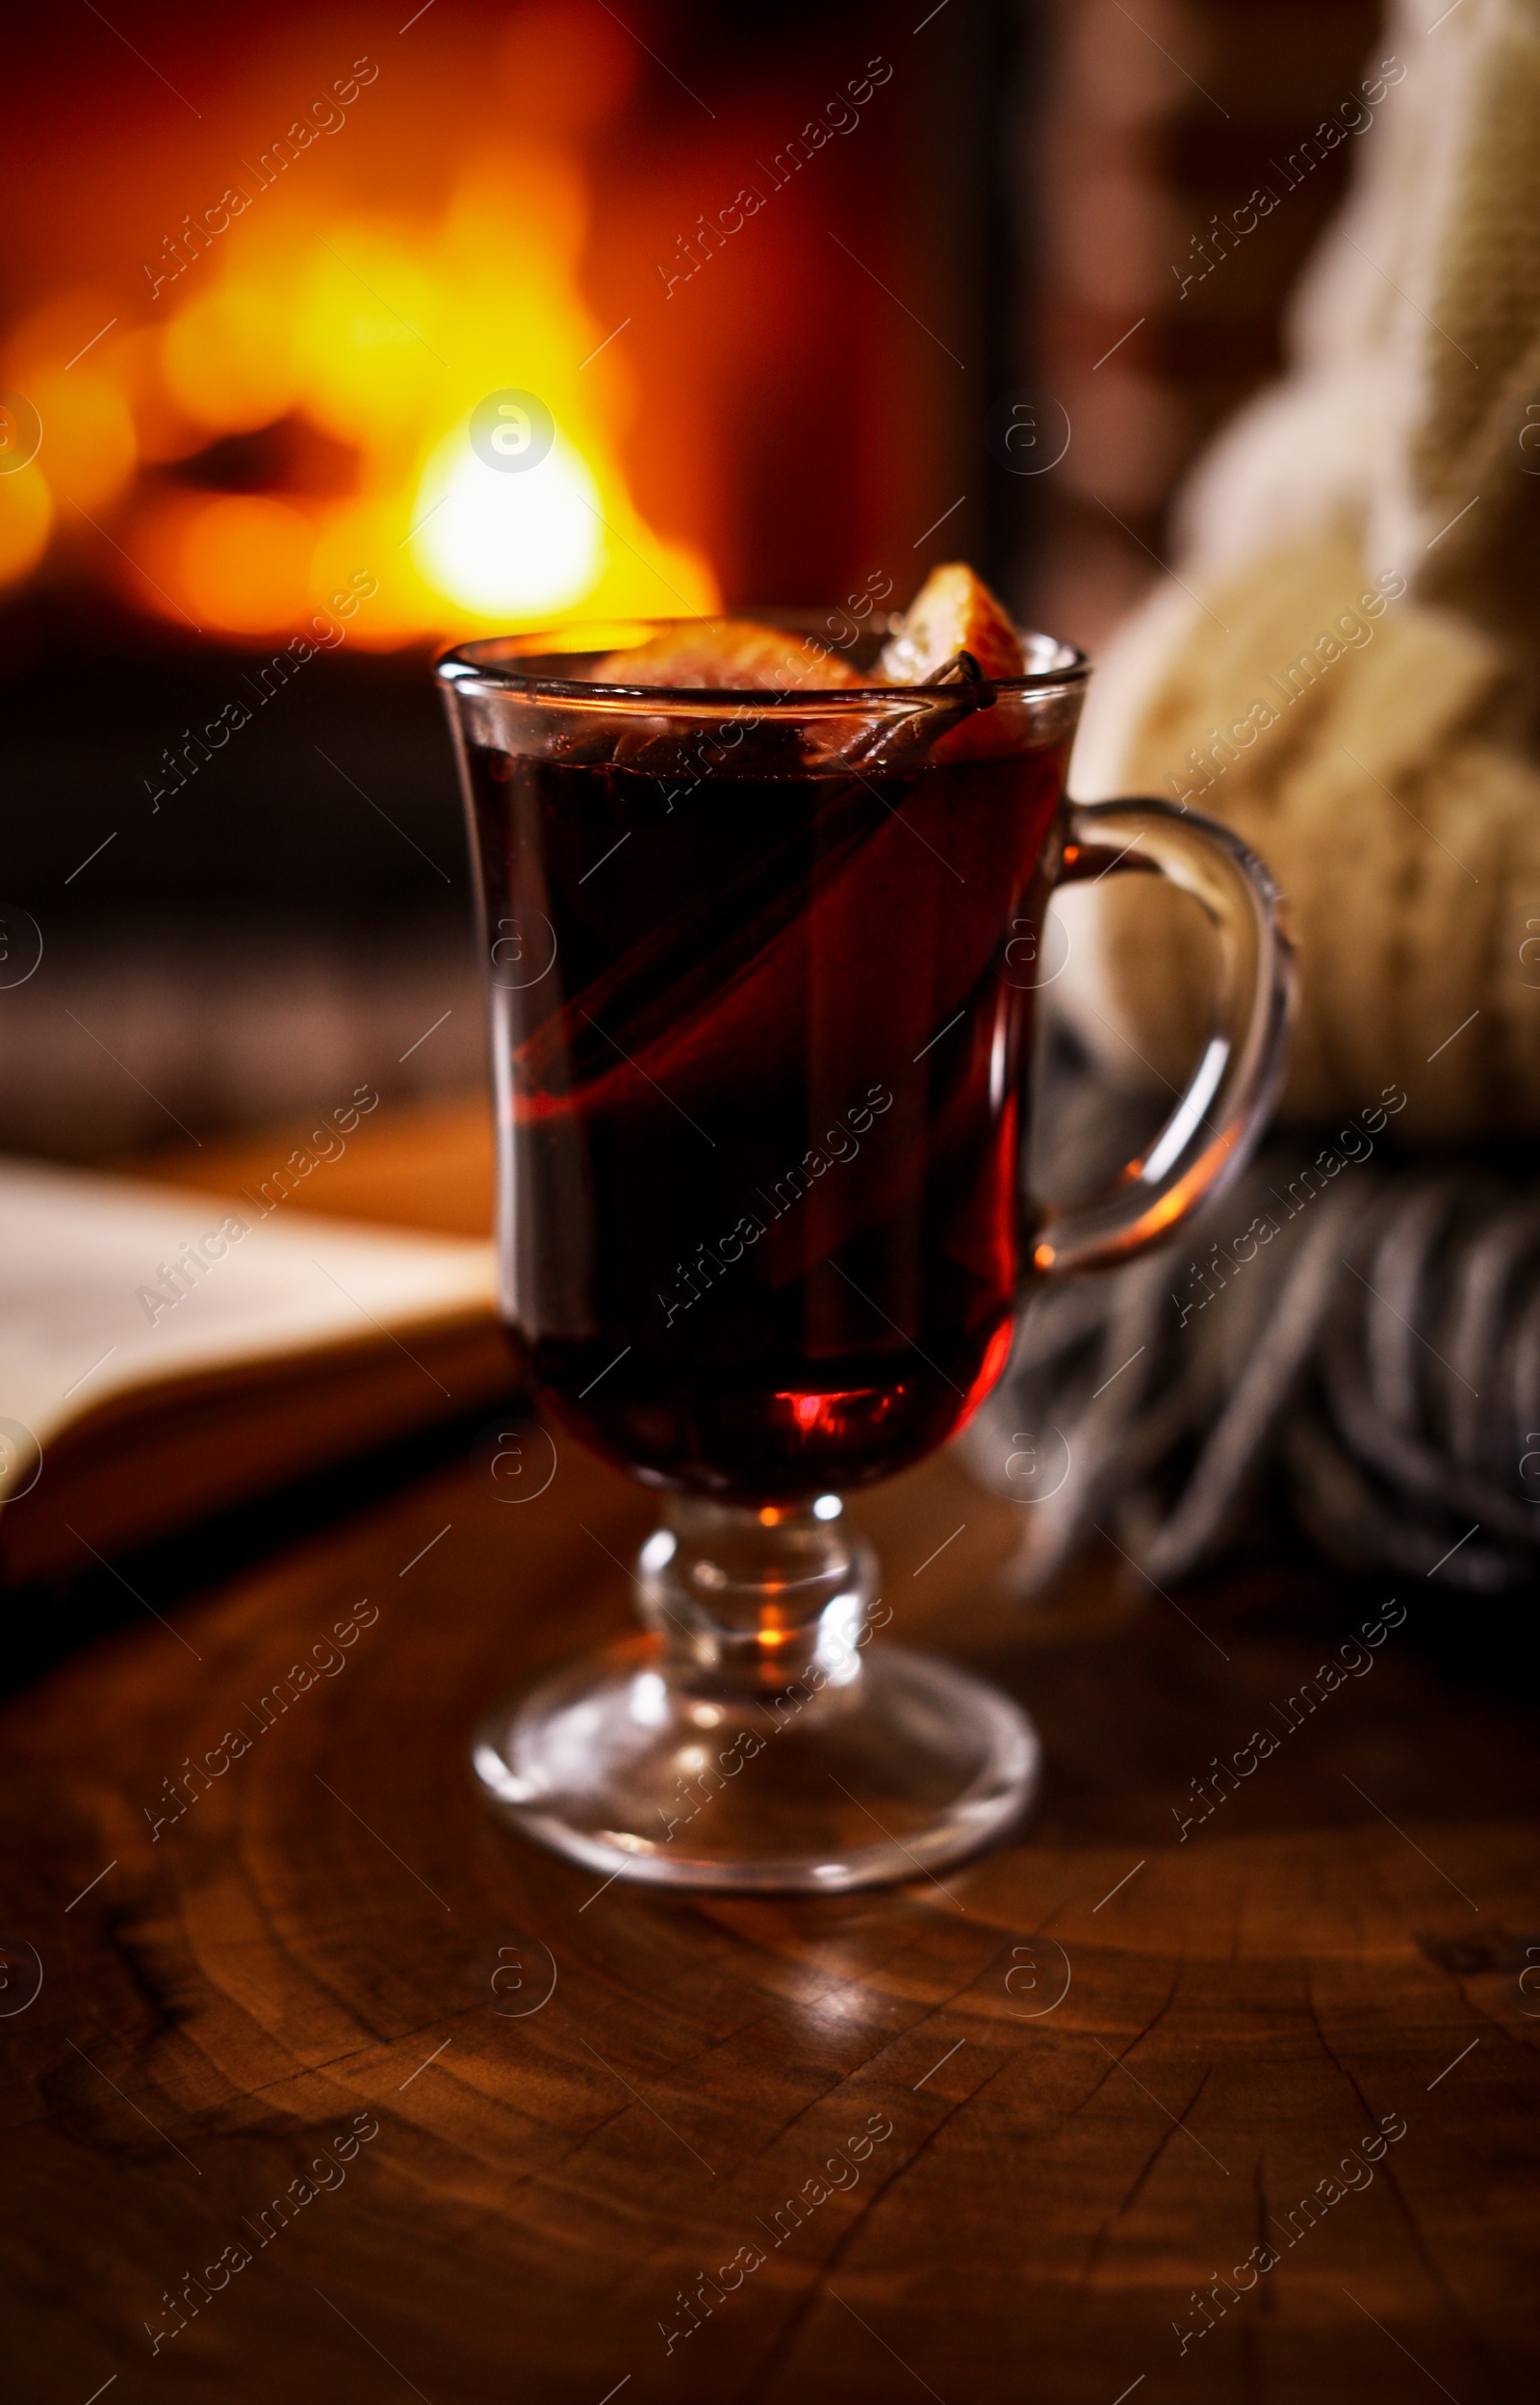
[[512, 546]]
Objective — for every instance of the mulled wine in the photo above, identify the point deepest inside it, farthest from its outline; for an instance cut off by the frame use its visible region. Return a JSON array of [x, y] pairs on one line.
[[763, 922], [760, 1023]]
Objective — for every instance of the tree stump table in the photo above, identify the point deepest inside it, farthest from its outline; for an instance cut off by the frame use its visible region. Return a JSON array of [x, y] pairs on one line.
[[1214, 2082]]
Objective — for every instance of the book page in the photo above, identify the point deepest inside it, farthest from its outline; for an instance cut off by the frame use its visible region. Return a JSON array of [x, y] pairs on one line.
[[107, 1285]]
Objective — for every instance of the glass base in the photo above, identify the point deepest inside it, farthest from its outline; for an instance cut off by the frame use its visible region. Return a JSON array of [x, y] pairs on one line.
[[755, 1738]]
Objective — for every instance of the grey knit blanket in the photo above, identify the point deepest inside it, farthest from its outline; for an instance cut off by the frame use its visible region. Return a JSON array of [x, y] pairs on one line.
[[1367, 1333]]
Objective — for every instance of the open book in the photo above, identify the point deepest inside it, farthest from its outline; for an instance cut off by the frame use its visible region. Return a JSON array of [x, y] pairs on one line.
[[166, 1353]]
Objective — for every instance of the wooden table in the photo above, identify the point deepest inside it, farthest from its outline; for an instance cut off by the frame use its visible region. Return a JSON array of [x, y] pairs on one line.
[[578, 2200]]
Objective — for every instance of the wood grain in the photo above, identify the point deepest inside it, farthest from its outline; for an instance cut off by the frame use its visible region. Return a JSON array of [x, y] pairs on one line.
[[326, 1915], [316, 1938]]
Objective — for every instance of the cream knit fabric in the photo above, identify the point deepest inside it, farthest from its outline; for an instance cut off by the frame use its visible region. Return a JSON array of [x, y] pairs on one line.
[[1347, 671]]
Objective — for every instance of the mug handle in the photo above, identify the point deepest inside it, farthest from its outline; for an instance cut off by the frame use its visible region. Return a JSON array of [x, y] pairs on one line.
[[1216, 1127]]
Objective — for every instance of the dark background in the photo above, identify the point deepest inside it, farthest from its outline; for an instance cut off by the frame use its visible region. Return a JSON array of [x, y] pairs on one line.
[[289, 925]]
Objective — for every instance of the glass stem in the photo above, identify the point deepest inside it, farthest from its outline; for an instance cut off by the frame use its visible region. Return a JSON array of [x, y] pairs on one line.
[[760, 1605]]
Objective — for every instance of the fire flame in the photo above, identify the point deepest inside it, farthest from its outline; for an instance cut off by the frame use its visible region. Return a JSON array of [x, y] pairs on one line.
[[357, 341]]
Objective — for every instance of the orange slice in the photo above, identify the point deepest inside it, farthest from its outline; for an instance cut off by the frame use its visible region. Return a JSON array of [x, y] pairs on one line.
[[953, 611], [728, 655]]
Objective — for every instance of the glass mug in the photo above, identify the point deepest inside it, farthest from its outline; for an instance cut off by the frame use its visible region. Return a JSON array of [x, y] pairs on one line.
[[762, 968]]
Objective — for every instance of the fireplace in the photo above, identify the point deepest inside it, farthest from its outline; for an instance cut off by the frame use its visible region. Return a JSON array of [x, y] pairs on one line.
[[327, 346]]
